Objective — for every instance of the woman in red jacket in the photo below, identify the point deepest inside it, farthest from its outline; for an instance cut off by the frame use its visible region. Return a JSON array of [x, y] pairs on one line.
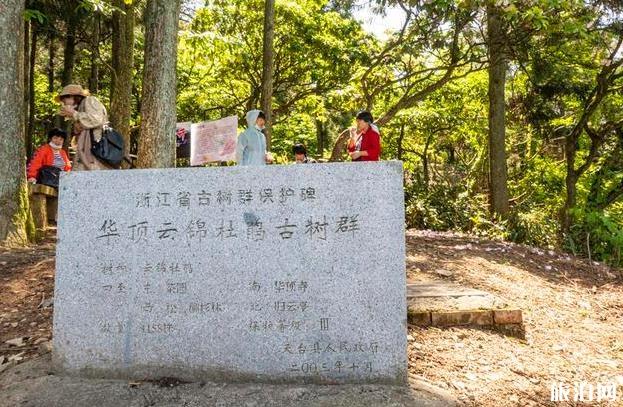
[[365, 141], [50, 154]]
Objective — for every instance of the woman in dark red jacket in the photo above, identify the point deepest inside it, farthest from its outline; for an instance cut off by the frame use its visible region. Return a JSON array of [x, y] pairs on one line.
[[51, 154], [365, 141]]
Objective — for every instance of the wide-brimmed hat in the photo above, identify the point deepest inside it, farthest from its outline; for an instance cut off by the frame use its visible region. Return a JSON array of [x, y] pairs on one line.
[[72, 90]]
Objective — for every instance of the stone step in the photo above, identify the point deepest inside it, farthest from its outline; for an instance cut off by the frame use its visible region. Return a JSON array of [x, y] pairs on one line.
[[443, 304]]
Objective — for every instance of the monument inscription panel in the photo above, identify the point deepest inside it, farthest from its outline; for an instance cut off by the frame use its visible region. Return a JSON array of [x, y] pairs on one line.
[[277, 274]]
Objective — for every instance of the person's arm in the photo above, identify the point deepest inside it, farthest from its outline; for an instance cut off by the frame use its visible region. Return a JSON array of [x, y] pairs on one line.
[[241, 145], [94, 114], [35, 164], [372, 147], [67, 161]]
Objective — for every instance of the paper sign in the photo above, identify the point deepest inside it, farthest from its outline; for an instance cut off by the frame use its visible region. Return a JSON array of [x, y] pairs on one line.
[[213, 141]]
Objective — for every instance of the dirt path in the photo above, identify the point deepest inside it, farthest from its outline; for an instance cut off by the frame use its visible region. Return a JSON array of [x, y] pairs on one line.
[[573, 312], [26, 289]]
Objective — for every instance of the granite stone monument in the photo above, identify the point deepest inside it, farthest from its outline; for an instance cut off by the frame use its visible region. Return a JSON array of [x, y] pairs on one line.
[[286, 274]]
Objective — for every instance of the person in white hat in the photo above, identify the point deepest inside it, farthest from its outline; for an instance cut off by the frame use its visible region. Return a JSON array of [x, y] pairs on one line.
[[88, 114], [251, 145]]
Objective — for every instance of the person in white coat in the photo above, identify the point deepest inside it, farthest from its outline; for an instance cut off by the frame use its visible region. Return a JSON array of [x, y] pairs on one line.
[[251, 146]]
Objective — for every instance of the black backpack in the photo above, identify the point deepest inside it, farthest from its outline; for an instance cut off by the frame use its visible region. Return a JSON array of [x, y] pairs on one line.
[[49, 175], [110, 147]]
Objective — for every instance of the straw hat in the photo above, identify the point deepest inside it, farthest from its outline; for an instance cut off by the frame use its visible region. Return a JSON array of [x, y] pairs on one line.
[[72, 90]]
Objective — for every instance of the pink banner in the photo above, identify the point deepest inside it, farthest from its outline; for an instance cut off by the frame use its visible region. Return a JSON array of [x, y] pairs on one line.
[[213, 141]]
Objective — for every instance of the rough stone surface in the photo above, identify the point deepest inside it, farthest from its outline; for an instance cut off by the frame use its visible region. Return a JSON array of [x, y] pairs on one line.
[[458, 318], [32, 385], [420, 318], [507, 316], [274, 274], [444, 296]]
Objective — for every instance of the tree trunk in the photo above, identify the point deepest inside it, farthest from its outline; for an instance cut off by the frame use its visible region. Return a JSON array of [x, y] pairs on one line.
[[253, 99], [267, 71], [31, 91], [321, 136], [95, 54], [51, 57], [69, 53], [425, 162], [122, 64], [451, 154], [50, 120], [600, 196], [571, 180], [401, 138], [497, 133], [340, 146], [156, 144], [26, 65], [16, 225], [69, 56]]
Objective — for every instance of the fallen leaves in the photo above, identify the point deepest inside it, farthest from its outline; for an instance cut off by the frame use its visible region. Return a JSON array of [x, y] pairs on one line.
[[46, 303], [563, 345], [19, 342]]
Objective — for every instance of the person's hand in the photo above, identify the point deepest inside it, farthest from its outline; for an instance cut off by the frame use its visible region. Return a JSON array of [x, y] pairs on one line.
[[32, 180], [355, 155], [77, 129], [269, 158], [67, 111]]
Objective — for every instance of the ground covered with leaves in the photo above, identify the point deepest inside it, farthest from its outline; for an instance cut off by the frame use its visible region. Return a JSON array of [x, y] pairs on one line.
[[26, 301], [572, 309]]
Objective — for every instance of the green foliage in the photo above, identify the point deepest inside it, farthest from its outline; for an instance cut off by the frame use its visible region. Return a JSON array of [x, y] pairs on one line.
[[597, 235], [428, 83], [444, 206], [220, 58], [36, 15]]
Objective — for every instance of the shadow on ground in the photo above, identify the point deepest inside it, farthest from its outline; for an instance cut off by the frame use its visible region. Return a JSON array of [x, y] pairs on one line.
[[439, 249]]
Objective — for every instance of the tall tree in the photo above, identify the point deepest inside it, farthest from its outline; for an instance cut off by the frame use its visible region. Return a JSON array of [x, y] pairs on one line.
[[69, 52], [122, 64], [575, 73], [51, 60], [156, 146], [31, 89], [268, 67], [95, 53], [228, 57], [398, 72], [605, 84], [321, 136], [498, 189], [26, 66], [15, 221]]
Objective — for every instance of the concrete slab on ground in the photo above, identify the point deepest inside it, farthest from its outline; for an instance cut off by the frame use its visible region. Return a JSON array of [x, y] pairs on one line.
[[443, 296], [31, 384]]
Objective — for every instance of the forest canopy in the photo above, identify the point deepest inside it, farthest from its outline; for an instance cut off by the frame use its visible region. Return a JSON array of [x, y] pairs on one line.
[[508, 115]]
